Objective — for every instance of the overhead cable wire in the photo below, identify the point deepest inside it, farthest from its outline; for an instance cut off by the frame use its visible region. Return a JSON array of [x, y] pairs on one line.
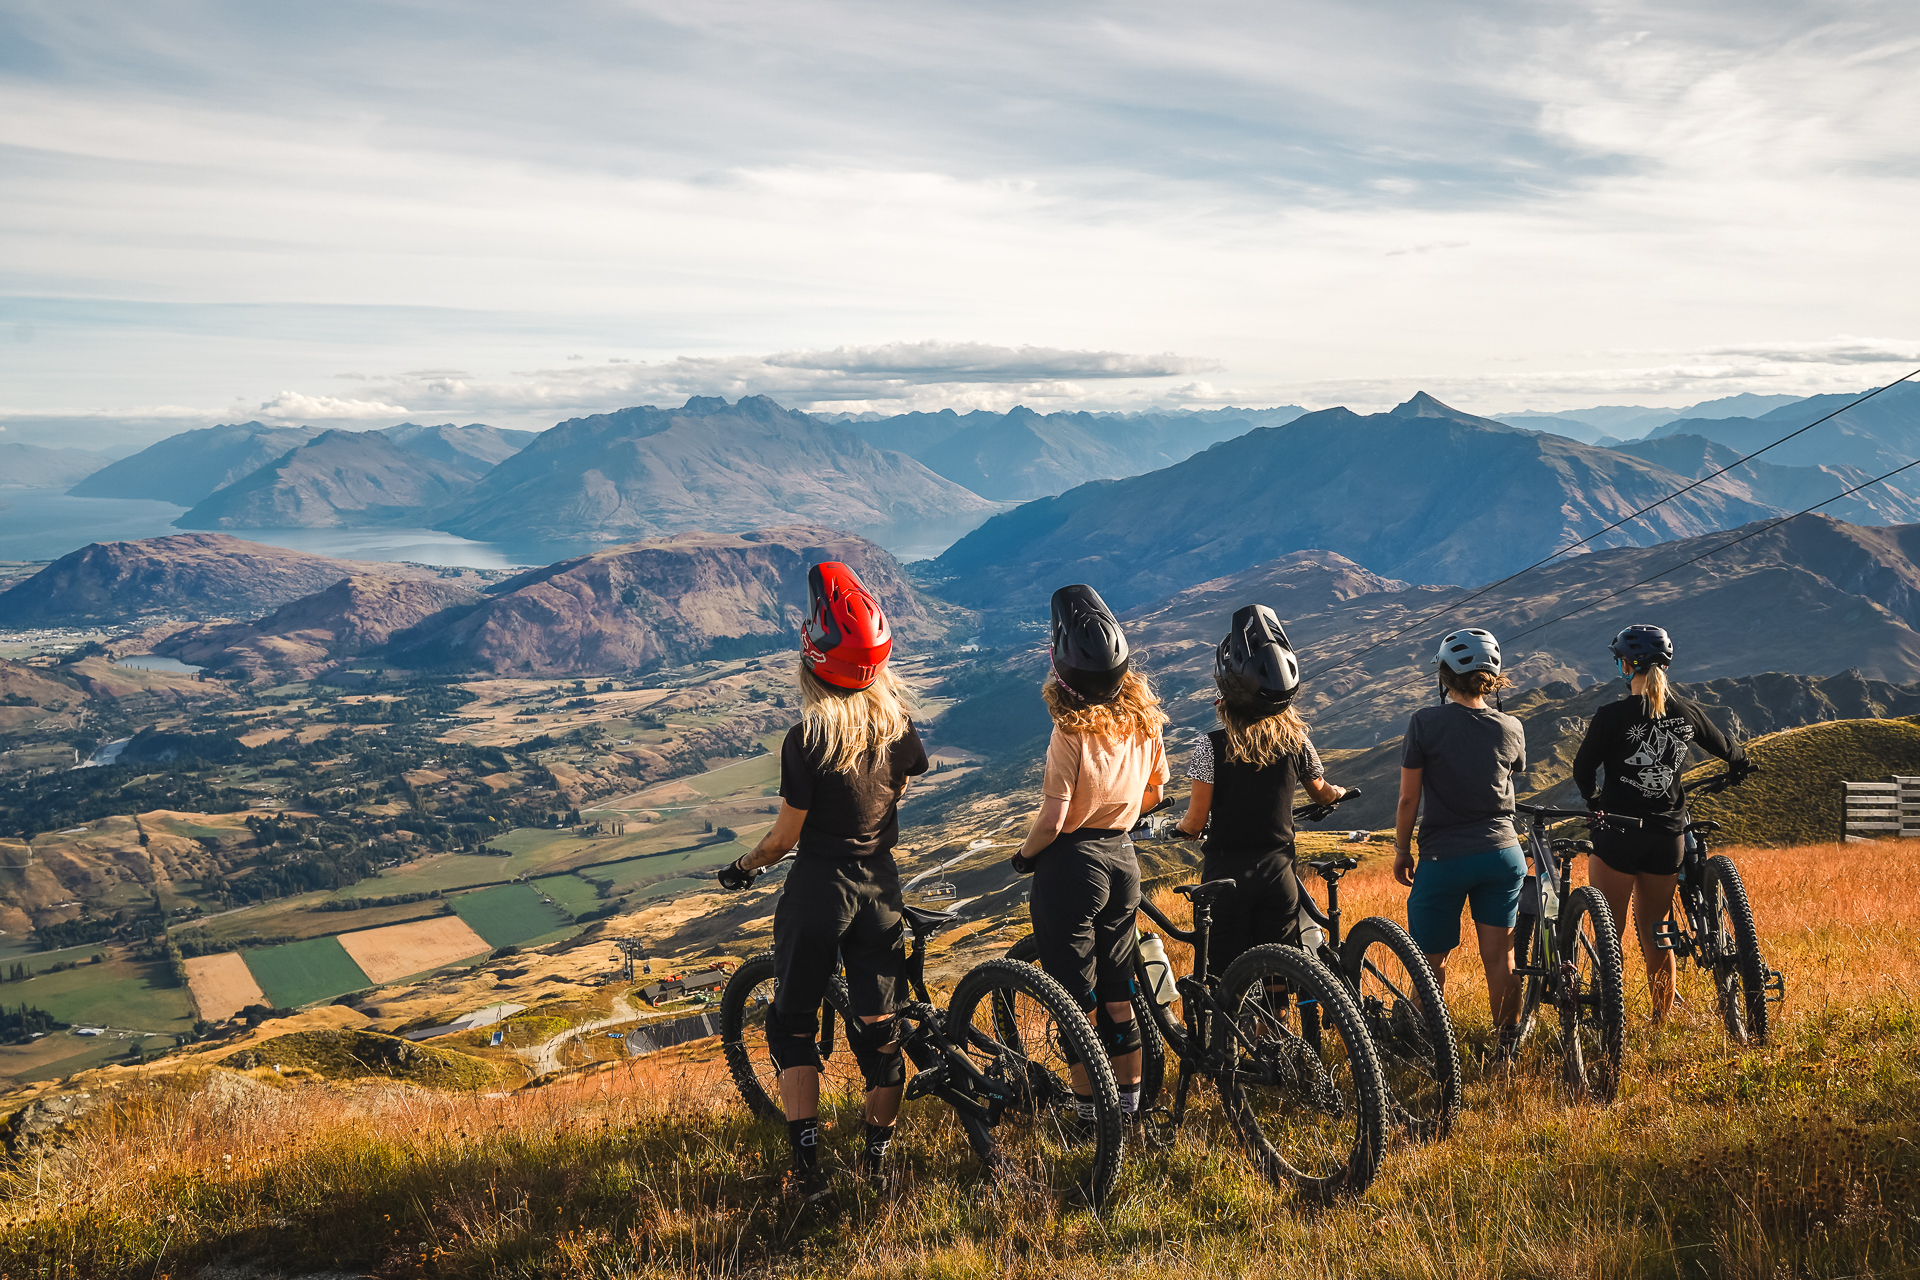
[[1675, 568], [1445, 609]]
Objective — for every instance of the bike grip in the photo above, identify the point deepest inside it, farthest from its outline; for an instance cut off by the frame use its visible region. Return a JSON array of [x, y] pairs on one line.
[[1630, 824]]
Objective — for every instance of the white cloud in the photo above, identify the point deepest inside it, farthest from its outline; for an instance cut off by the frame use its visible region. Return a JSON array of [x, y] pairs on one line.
[[292, 406]]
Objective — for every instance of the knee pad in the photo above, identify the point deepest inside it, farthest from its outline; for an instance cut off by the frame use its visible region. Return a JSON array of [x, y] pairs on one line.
[[792, 1046], [1118, 1038], [883, 1070]]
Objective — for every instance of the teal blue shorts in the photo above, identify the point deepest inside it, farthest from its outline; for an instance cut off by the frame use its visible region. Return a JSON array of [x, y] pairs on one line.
[[1490, 881]]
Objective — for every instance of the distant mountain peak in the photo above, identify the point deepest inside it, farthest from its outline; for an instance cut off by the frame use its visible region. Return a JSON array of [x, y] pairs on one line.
[[1425, 406]]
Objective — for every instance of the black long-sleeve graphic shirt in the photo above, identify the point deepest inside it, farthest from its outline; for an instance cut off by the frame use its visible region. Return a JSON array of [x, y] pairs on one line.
[[1643, 758]]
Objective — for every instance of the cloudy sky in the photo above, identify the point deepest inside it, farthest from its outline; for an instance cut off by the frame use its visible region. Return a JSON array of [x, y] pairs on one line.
[[357, 213]]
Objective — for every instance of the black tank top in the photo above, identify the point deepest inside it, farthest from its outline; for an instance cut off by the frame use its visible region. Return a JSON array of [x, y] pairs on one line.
[[1252, 812]]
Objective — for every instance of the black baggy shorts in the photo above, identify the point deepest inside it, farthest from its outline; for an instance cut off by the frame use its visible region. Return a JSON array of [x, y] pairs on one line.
[[1648, 851], [833, 910], [1086, 893], [1263, 907]]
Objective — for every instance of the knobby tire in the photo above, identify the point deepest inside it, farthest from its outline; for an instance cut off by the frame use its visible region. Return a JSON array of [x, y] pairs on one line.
[[1738, 973], [1593, 1023], [1412, 1031], [743, 1040]]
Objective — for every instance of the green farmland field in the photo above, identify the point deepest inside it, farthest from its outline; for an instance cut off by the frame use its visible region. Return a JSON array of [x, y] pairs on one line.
[[303, 972], [511, 915], [639, 872], [119, 993], [571, 892]]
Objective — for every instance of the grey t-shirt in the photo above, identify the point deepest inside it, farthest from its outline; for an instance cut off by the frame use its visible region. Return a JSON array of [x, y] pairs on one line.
[[1466, 792]]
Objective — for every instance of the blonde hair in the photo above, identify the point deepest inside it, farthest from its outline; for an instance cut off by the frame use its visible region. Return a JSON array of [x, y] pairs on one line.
[[852, 725], [1474, 684], [1261, 740], [1134, 712], [1657, 690]]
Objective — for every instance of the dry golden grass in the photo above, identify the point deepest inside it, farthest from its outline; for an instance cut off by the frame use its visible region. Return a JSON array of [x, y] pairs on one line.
[[1797, 1159]]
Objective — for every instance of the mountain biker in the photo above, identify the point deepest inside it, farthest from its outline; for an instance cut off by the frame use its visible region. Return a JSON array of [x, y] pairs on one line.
[[1456, 771], [1105, 764], [1641, 742], [1244, 775], [843, 769]]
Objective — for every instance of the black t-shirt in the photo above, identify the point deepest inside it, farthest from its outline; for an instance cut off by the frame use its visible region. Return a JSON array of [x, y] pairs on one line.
[[1468, 756], [1644, 757], [1252, 813], [849, 815]]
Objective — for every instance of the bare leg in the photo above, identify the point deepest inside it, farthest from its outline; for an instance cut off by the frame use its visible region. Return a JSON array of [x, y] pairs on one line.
[[1496, 957], [800, 1092], [1439, 966], [1652, 901]]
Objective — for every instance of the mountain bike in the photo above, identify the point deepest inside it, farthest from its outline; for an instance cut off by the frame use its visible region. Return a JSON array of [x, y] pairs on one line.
[[1001, 1055], [1715, 928], [1567, 950], [1390, 980]]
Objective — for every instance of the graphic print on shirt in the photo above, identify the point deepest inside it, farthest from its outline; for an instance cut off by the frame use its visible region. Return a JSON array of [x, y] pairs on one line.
[[1662, 746]]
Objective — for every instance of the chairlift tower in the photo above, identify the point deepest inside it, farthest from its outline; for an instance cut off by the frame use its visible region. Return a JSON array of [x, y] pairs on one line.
[[630, 949]]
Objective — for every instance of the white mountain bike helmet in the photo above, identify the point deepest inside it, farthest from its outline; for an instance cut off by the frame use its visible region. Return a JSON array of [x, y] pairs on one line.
[[1469, 650]]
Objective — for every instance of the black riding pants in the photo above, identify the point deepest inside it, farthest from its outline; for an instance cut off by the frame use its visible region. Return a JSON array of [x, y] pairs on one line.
[[833, 910], [1086, 891], [1263, 907]]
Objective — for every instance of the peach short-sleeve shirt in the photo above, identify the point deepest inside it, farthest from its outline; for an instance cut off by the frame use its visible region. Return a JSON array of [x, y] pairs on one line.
[[1101, 778]]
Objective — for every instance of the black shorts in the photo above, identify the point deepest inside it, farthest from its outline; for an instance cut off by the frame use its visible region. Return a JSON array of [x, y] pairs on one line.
[[835, 910], [1263, 907], [1646, 852], [1086, 893]]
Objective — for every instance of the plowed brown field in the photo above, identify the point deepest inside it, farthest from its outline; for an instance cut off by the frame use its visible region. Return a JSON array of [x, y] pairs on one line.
[[222, 985], [402, 949]]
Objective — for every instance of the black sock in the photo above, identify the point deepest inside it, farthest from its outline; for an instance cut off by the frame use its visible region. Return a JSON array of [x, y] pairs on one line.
[[879, 1138], [805, 1136]]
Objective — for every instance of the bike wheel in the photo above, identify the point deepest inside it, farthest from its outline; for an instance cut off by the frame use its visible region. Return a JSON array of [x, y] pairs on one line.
[[1529, 950], [744, 1007], [1739, 974], [1021, 1028], [1408, 1020], [1310, 1107], [1591, 998], [1151, 1016]]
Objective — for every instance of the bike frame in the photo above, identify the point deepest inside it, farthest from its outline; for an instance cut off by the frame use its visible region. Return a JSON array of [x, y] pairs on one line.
[[1553, 882], [1692, 934]]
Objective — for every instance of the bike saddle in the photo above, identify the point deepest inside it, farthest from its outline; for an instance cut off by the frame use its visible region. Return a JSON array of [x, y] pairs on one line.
[[1207, 892], [1324, 865], [1573, 846], [925, 922]]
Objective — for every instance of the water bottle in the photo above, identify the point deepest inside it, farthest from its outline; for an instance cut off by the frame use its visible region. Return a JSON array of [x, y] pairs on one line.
[[1153, 959]]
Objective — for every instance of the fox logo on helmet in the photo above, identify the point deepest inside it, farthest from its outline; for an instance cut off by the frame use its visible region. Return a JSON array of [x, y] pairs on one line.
[[845, 640]]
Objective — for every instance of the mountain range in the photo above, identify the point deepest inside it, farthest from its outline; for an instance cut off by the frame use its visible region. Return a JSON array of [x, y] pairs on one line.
[[338, 478], [1424, 492], [709, 465], [185, 469], [1021, 454], [1876, 436], [193, 574], [663, 601]]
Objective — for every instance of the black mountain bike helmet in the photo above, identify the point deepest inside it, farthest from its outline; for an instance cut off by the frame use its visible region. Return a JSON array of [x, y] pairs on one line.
[[1089, 651], [1254, 666], [1642, 646]]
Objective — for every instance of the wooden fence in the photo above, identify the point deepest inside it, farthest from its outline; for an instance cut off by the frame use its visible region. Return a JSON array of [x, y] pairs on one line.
[[1875, 810]]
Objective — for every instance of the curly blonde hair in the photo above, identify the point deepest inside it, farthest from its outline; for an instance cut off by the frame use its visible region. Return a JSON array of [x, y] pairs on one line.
[[1261, 740], [1134, 712], [852, 725]]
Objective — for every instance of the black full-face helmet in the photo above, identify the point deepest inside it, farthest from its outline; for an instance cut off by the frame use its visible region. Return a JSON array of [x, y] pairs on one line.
[[1089, 650], [1643, 646], [1255, 666]]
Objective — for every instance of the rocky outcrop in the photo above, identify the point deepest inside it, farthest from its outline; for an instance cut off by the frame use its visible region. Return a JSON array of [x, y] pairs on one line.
[[305, 637], [660, 602], [338, 479], [190, 574], [709, 465]]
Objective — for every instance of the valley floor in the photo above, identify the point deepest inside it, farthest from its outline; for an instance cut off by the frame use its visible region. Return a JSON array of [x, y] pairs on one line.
[[1801, 1158]]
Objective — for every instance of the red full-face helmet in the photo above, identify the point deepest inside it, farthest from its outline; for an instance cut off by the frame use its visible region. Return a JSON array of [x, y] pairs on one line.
[[846, 638]]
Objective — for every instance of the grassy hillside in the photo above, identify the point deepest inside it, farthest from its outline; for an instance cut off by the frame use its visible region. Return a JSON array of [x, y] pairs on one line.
[[351, 1055], [1796, 1159], [1796, 797]]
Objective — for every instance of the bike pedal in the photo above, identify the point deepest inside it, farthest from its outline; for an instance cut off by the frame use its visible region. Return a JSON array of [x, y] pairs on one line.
[[1774, 986], [1528, 971]]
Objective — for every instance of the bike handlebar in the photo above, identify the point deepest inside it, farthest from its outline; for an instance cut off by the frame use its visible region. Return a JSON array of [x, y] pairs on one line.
[[1317, 812], [1620, 820], [1721, 781]]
